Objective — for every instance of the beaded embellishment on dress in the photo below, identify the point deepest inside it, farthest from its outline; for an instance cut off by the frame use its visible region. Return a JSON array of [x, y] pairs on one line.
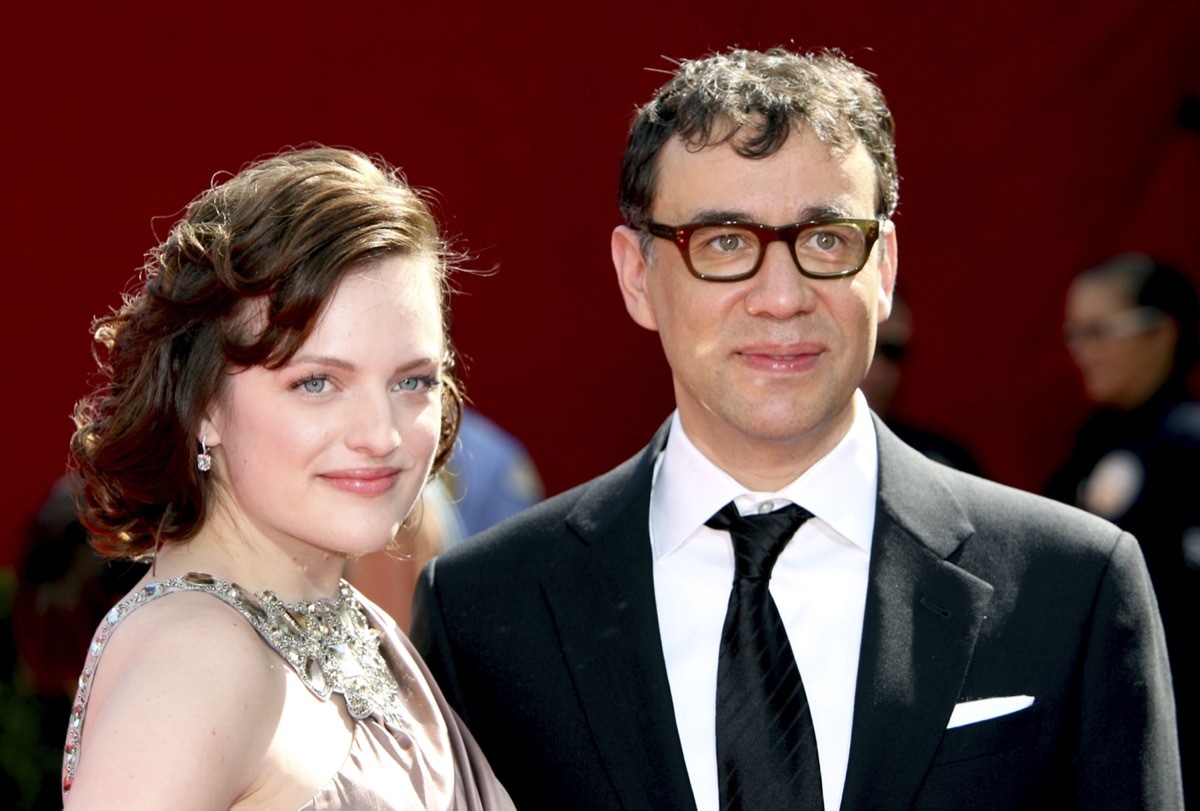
[[329, 644]]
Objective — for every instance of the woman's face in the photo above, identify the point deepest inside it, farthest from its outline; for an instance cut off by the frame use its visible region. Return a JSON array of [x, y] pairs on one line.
[[330, 451], [1123, 352]]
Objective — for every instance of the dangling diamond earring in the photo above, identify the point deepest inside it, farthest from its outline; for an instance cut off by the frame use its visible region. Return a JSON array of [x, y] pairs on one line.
[[204, 458]]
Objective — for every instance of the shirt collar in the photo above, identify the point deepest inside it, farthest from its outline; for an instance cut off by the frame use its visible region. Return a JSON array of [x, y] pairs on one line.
[[839, 489]]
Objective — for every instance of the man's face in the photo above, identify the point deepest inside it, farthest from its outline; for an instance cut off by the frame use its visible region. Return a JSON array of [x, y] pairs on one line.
[[764, 369]]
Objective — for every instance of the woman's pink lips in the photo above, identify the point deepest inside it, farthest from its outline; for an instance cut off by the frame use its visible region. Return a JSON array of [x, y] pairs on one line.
[[370, 481]]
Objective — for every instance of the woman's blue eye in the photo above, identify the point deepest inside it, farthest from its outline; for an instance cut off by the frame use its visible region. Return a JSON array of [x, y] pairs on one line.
[[418, 383], [314, 385]]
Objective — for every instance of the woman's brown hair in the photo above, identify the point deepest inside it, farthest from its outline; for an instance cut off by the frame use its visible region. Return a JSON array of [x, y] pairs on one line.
[[282, 232]]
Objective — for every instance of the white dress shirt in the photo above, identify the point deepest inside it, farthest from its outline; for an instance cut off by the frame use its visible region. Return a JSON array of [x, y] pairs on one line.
[[819, 586]]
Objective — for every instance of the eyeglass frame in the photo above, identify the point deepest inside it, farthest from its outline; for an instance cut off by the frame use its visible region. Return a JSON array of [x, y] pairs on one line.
[[681, 235], [1114, 326]]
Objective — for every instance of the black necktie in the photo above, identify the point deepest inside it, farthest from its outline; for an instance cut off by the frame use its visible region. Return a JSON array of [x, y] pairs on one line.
[[766, 745]]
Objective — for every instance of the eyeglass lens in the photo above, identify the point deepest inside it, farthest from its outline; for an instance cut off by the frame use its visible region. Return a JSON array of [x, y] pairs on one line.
[[824, 249]]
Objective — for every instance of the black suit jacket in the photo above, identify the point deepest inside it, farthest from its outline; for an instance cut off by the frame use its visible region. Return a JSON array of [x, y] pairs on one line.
[[543, 634]]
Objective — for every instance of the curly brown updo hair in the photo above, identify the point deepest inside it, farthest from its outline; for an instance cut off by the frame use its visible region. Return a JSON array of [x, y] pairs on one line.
[[282, 232]]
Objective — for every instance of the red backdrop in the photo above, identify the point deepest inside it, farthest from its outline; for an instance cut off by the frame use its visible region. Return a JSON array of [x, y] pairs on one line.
[[1034, 139]]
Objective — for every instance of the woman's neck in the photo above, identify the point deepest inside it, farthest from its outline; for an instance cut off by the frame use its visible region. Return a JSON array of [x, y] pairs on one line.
[[294, 571]]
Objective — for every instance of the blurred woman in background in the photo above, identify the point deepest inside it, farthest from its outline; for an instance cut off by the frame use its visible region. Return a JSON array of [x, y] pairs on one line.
[[1131, 328]]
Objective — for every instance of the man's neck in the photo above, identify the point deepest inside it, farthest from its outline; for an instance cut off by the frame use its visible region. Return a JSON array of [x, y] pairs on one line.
[[767, 464]]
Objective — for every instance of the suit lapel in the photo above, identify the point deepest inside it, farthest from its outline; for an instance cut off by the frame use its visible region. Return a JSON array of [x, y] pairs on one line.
[[923, 614], [922, 617], [612, 644]]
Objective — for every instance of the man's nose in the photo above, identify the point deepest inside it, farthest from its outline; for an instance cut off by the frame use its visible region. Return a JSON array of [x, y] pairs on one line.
[[779, 290]]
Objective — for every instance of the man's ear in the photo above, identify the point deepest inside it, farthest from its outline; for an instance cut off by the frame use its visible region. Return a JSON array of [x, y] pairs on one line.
[[631, 268], [888, 261]]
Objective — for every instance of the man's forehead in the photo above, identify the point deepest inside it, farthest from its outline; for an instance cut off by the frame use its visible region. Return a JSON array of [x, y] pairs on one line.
[[819, 177]]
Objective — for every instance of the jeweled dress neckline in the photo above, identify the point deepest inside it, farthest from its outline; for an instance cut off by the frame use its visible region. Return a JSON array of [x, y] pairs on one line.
[[328, 643]]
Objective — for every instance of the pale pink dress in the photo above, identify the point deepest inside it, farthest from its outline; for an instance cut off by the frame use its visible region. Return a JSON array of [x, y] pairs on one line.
[[432, 763]]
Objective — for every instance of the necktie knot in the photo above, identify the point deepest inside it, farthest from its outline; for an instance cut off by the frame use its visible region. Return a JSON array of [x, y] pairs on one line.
[[758, 540]]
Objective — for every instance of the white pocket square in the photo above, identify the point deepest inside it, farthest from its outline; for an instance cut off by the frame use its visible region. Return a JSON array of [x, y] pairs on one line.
[[982, 709]]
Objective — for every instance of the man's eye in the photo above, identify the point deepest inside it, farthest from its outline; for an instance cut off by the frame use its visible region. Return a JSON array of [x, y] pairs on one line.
[[825, 240]]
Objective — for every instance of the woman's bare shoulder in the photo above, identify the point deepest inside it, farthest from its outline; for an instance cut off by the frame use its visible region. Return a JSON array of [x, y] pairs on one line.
[[182, 710]]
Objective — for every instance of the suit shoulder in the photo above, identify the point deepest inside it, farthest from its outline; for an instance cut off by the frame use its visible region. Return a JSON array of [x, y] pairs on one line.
[[1002, 502], [529, 535], [1012, 527], [933, 500]]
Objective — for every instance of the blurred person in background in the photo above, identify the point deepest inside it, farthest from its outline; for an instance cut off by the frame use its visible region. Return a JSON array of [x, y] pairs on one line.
[[489, 477], [59, 591], [883, 380], [1131, 328]]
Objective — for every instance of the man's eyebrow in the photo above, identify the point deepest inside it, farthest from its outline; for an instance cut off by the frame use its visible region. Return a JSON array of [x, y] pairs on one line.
[[823, 213], [732, 215], [721, 215]]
